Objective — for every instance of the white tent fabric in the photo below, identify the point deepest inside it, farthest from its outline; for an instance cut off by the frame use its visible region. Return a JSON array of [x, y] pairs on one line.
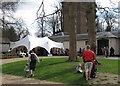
[[31, 42]]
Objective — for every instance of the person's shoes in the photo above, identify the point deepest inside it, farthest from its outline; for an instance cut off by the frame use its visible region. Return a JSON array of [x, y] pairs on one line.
[[31, 75], [96, 76], [89, 79]]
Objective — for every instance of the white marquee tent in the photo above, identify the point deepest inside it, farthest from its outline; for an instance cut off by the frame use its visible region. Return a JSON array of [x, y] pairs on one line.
[[31, 42]]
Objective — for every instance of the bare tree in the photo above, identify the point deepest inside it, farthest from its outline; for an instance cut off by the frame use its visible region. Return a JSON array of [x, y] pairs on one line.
[[7, 9], [108, 15], [51, 21], [99, 26], [21, 28], [109, 18], [57, 18], [9, 22]]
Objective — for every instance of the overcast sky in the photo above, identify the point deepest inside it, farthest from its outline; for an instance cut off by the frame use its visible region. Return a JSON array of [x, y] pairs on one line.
[[27, 10]]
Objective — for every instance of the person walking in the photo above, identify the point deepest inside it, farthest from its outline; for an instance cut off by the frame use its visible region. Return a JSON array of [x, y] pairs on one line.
[[33, 58], [112, 51], [88, 58], [106, 52]]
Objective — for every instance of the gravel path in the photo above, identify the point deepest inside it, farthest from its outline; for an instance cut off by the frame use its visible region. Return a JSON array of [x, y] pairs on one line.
[[10, 79], [4, 61]]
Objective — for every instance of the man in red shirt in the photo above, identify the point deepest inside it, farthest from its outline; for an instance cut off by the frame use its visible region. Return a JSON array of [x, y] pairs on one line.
[[88, 57]]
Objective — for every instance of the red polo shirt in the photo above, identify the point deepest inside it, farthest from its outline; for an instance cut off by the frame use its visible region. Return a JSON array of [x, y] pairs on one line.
[[89, 55]]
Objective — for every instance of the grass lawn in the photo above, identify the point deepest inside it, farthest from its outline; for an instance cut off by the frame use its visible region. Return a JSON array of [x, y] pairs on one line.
[[58, 70]]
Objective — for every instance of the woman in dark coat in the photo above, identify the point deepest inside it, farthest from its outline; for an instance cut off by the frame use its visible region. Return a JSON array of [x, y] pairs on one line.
[[33, 58]]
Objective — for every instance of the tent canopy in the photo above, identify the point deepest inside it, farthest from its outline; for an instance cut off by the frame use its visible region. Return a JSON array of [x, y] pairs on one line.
[[31, 42]]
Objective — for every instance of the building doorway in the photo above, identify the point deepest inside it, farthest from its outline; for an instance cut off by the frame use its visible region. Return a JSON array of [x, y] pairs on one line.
[[101, 43]]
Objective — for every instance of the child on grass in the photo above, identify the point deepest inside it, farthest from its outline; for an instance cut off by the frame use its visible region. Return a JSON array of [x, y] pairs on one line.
[[27, 69], [79, 68]]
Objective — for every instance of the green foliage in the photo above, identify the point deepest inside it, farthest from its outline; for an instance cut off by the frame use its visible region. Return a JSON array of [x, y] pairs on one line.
[[4, 56], [10, 33], [59, 70]]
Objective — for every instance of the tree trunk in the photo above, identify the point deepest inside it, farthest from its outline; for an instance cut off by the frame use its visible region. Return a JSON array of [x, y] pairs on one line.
[[91, 25], [72, 52], [73, 32]]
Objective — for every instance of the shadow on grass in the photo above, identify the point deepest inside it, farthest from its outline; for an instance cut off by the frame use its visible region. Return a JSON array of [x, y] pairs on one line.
[[57, 63], [67, 76]]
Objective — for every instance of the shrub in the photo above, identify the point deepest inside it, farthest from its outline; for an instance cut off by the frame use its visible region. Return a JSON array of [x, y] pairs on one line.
[[5, 56]]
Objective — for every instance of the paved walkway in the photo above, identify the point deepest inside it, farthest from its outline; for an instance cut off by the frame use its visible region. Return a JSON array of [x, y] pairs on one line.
[[114, 58], [4, 61], [10, 79]]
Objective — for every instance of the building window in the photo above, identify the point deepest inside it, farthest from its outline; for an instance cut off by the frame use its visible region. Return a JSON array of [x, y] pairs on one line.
[[86, 42]]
